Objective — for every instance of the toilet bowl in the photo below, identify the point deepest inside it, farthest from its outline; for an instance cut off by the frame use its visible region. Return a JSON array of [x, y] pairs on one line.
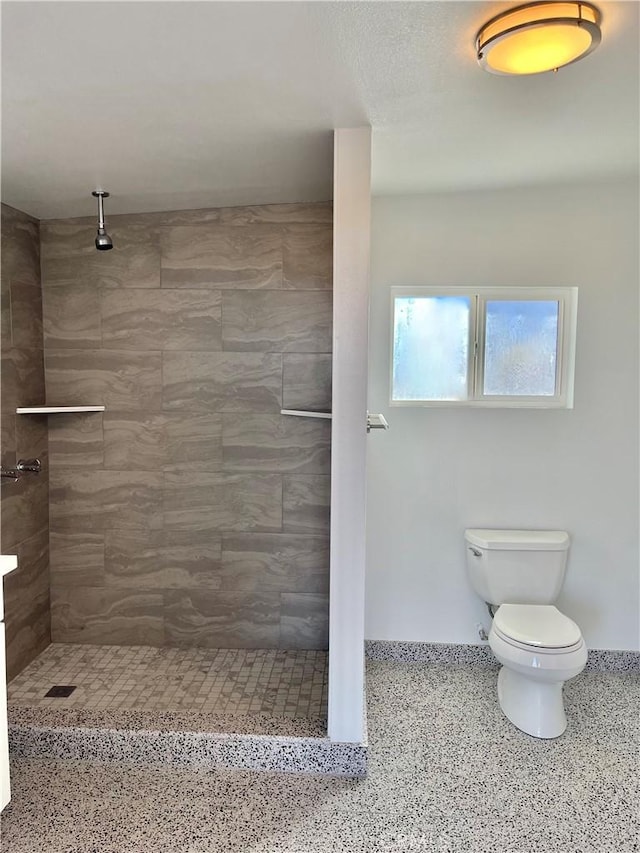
[[539, 648], [520, 573]]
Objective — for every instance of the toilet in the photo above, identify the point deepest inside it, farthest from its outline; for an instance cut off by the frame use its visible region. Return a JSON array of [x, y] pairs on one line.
[[521, 572]]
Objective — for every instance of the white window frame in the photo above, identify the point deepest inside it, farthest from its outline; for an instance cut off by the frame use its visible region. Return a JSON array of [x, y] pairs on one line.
[[567, 299]]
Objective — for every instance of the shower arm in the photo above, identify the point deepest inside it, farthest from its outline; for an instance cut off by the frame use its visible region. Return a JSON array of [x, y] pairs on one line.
[[100, 195]]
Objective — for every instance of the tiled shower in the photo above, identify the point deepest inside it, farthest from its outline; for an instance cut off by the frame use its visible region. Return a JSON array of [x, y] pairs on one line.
[[190, 514], [24, 511]]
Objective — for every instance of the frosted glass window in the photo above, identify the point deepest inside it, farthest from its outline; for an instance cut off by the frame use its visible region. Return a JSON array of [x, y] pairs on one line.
[[431, 347], [521, 345], [493, 347]]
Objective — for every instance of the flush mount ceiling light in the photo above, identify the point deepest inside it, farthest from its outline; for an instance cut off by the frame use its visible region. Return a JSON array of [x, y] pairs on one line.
[[538, 37]]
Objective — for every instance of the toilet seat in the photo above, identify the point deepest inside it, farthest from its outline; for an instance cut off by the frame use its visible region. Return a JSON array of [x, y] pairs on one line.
[[538, 651], [537, 627]]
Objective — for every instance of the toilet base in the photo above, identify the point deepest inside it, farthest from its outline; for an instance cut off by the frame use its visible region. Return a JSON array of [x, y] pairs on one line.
[[535, 707]]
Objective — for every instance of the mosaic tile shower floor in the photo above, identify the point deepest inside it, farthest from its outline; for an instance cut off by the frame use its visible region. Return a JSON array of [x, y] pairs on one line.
[[242, 682]]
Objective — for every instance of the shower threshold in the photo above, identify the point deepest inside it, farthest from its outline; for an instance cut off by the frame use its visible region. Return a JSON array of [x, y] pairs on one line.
[[257, 709]]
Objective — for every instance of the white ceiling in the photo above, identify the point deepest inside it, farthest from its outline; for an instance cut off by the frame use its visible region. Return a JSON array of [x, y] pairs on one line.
[[173, 105]]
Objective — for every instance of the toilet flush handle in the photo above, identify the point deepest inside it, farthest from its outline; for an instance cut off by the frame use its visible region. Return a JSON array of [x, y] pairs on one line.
[[475, 552]]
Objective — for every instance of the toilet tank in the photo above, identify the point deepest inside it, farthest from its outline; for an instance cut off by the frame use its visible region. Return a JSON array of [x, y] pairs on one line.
[[516, 566]]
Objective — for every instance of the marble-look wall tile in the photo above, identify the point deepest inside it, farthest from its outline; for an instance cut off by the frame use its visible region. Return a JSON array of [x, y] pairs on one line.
[[76, 441], [106, 616], [26, 603], [132, 223], [134, 441], [308, 257], [217, 502], [306, 501], [69, 256], [129, 381], [304, 621], [275, 321], [25, 509], [222, 382], [97, 500], [22, 378], [193, 442], [20, 257], [314, 213], [72, 317], [276, 443], [7, 437], [24, 514], [275, 561], [66, 238], [9, 386], [161, 319], [74, 238], [5, 313], [143, 495], [77, 558], [306, 381], [221, 256], [165, 441], [120, 268], [166, 218], [32, 440], [309, 213], [162, 559], [26, 315], [213, 619]]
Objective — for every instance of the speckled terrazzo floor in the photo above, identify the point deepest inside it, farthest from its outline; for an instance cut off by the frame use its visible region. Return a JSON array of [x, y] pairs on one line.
[[447, 774]]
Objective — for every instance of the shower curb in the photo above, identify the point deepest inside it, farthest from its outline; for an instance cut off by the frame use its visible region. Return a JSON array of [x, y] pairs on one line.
[[599, 660], [302, 755]]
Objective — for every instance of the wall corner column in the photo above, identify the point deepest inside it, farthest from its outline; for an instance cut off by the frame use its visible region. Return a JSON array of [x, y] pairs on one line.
[[351, 262]]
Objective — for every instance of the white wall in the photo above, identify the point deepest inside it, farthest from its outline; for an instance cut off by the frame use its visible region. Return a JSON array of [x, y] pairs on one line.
[[438, 471], [351, 259]]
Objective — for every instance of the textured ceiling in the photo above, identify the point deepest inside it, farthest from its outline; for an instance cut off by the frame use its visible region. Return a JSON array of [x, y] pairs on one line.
[[177, 105]]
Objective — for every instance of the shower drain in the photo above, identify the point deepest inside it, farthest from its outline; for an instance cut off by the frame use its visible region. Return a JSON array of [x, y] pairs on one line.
[[60, 691]]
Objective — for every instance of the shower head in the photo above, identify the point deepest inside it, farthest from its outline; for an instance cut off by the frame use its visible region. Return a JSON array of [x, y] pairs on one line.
[[103, 241]]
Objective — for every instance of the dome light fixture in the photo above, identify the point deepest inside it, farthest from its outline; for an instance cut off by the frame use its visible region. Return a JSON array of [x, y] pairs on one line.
[[538, 37]]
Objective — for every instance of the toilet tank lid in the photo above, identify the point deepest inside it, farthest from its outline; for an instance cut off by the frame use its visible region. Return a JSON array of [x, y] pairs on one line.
[[518, 540]]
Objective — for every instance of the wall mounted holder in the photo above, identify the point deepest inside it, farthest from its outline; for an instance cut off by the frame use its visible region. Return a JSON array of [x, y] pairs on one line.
[[299, 413], [373, 421], [56, 410]]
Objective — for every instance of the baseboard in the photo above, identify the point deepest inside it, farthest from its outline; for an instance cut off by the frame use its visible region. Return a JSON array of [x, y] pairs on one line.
[[614, 660], [599, 660]]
